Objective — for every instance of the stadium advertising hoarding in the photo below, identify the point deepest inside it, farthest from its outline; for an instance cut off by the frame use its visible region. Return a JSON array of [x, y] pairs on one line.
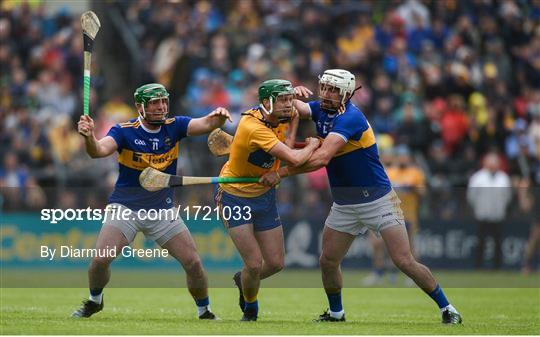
[[28, 241], [445, 245], [24, 234]]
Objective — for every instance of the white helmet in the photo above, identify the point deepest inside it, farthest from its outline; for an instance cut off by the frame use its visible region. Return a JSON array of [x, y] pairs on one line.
[[339, 78]]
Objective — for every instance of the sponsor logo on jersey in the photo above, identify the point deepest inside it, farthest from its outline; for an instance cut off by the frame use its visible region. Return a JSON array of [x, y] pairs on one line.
[[140, 161]]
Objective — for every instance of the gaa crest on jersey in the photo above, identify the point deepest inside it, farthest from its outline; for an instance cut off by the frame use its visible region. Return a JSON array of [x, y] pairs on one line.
[[140, 142]]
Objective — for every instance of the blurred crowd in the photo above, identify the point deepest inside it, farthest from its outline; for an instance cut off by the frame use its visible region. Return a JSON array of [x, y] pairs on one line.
[[450, 81]]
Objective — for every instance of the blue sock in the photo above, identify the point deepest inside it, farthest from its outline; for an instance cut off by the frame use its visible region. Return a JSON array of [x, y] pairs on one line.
[[96, 291], [379, 271], [204, 302], [252, 305], [334, 300], [438, 296]]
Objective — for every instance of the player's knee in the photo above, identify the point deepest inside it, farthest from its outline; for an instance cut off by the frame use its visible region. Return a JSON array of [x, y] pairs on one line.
[[253, 267], [194, 266], [327, 262], [404, 261], [275, 266]]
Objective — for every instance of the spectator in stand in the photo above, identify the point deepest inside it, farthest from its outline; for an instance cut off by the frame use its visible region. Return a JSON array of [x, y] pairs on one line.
[[484, 53], [454, 124], [489, 193]]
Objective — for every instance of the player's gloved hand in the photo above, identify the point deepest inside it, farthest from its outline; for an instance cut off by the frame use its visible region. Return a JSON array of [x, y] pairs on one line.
[[85, 126], [222, 113], [302, 91], [270, 179]]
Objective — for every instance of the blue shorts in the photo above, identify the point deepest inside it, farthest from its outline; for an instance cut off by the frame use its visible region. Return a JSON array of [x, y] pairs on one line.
[[260, 211]]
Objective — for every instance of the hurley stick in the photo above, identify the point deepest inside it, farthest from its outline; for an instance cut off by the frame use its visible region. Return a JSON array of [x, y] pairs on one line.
[[154, 180], [90, 27]]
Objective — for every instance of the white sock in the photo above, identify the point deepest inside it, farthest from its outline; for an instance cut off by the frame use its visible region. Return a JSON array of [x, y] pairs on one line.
[[337, 315], [450, 308], [96, 298], [201, 310]]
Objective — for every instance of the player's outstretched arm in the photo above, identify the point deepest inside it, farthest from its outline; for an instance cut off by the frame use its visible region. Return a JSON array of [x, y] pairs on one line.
[[295, 157], [94, 147], [320, 158], [302, 107], [204, 125]]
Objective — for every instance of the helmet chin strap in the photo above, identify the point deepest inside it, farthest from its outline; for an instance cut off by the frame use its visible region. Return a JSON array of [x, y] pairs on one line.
[[271, 107], [281, 120], [268, 112]]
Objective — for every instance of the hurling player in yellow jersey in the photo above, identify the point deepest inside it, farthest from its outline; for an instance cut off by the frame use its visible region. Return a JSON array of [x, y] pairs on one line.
[[249, 211]]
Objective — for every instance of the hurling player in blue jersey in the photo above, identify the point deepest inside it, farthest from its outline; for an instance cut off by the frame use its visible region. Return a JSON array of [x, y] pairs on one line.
[[153, 140], [363, 196]]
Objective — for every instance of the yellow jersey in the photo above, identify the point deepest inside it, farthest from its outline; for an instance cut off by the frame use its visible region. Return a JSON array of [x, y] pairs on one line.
[[249, 155], [407, 181]]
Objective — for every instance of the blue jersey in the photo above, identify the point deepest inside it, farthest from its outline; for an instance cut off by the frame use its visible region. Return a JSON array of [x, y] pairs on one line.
[[355, 172], [139, 148]]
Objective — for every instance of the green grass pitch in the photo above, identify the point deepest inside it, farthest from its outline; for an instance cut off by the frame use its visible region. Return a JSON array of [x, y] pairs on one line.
[[283, 311]]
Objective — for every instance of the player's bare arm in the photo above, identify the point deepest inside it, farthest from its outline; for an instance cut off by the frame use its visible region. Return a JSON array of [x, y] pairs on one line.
[[320, 158], [204, 125], [95, 148], [293, 128], [295, 157], [302, 107]]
